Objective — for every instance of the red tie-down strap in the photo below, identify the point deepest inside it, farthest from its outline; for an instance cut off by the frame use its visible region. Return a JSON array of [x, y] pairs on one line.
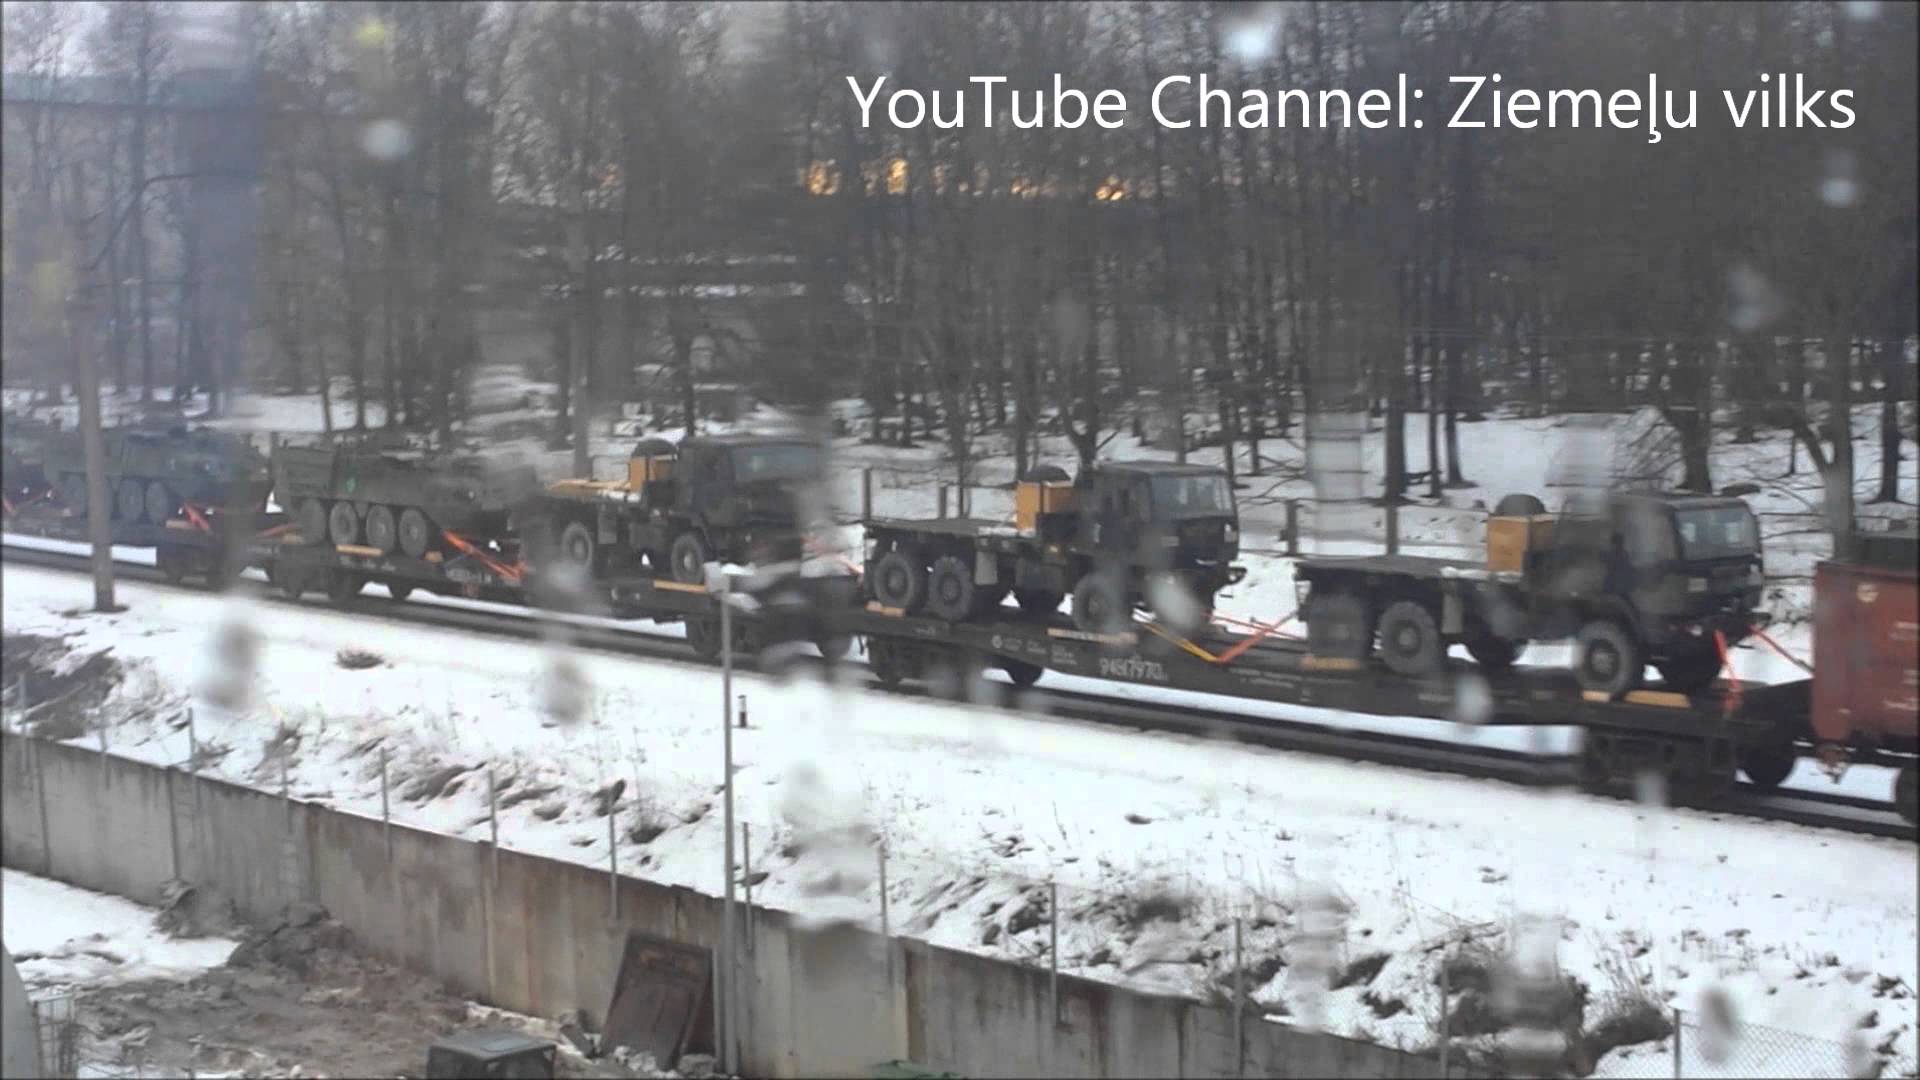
[[1726, 665], [460, 544]]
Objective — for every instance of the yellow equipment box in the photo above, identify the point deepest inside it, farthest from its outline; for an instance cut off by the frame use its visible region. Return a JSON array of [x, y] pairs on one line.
[[1031, 498], [1510, 538]]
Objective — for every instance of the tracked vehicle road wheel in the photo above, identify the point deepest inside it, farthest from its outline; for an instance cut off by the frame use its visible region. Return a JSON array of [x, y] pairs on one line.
[[950, 591], [129, 501], [382, 533], [897, 580], [160, 503], [689, 556], [416, 533], [343, 523]]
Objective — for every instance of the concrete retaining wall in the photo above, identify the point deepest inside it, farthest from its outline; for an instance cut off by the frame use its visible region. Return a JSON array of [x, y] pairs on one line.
[[542, 936]]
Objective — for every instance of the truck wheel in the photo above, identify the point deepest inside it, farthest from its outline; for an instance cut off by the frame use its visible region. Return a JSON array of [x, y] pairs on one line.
[[343, 524], [129, 501], [382, 533], [1410, 639], [1494, 653], [689, 557], [897, 580], [1906, 793], [1022, 673], [311, 519], [950, 592], [1766, 765], [1339, 626], [1100, 604], [1690, 672], [1037, 601], [1607, 659], [416, 532], [576, 545], [160, 503]]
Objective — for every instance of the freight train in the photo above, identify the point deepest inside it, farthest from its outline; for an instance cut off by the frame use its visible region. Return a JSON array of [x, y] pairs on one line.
[[619, 538]]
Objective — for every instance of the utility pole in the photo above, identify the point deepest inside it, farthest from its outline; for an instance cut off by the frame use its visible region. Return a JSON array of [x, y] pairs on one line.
[[728, 1066], [577, 340], [99, 500]]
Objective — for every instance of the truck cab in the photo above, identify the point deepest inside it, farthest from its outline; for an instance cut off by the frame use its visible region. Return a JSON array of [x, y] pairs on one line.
[[1159, 515]]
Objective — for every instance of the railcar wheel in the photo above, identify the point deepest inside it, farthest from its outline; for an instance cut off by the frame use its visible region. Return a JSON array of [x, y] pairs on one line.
[[886, 662], [1021, 673], [1607, 658], [950, 592], [1037, 601], [343, 586], [898, 580], [292, 582], [382, 533], [704, 636], [689, 556], [399, 590], [1100, 604], [1410, 639], [1906, 793], [343, 523], [833, 647], [311, 518], [1691, 671], [1494, 653], [160, 503], [171, 564], [129, 502], [416, 533], [1339, 626], [220, 570], [1767, 765]]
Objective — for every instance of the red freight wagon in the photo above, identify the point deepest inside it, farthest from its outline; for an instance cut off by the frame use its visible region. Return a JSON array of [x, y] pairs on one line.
[[1866, 658]]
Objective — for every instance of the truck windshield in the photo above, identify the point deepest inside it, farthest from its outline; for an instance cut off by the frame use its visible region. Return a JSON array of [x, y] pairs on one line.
[[1717, 533], [1176, 497], [795, 461]]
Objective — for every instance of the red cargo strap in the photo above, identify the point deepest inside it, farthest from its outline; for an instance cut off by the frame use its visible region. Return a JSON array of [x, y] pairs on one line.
[[1726, 665], [6, 503], [1775, 646], [195, 518], [511, 573]]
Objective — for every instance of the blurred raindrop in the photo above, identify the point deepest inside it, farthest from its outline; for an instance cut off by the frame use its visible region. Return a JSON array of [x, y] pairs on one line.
[[1650, 788], [1251, 37], [1323, 928], [1175, 605], [1862, 9], [1472, 699], [564, 689], [386, 140], [1718, 1028], [371, 34], [1753, 304], [1839, 188], [233, 654]]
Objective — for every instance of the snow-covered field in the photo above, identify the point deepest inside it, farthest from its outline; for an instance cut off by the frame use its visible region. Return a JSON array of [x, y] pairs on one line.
[[1358, 875], [64, 938]]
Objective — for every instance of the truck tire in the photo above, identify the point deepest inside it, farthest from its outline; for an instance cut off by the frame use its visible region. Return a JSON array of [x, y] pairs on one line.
[[1339, 626], [160, 503], [1519, 505], [1037, 601], [343, 523], [1100, 604], [1690, 672], [897, 580], [576, 545], [311, 519], [950, 592], [1494, 653], [1607, 658], [1410, 641], [689, 556], [1766, 765], [129, 502], [382, 533], [416, 533]]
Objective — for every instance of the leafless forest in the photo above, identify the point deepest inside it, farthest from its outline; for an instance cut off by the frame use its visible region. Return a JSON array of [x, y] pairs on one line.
[[673, 190]]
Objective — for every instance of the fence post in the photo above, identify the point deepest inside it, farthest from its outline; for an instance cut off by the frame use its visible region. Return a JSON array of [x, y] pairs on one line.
[[1446, 1020], [1677, 1029], [613, 862], [1293, 528], [886, 927], [943, 502], [103, 753], [286, 793], [1393, 528], [493, 830], [193, 742], [1239, 1003], [866, 493], [386, 818], [1053, 950], [743, 710], [746, 876]]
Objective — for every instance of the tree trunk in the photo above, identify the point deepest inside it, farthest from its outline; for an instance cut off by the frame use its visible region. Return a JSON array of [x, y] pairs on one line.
[[1892, 392]]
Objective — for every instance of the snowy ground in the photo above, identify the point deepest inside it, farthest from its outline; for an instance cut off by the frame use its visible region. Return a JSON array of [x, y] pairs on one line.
[[1362, 876], [150, 1004]]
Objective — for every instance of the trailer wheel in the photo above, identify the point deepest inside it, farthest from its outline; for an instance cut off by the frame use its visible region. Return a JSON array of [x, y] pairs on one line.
[[1339, 626], [343, 586], [1410, 639], [1607, 659], [160, 503], [1494, 653], [343, 523], [1100, 604], [1037, 601], [416, 532], [382, 533], [1022, 673], [689, 557], [897, 580], [311, 518], [1766, 765], [129, 501], [950, 592], [1690, 672], [1906, 793], [576, 545]]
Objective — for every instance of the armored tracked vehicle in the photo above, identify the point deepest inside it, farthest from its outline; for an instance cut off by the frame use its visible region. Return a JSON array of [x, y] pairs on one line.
[[152, 472], [395, 501]]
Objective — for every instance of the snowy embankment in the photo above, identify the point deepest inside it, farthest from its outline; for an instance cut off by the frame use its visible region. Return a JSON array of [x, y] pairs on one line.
[[65, 938], [1358, 876]]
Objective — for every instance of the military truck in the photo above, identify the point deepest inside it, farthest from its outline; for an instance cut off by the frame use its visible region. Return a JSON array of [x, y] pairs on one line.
[[395, 500], [1634, 578], [24, 441], [732, 498], [153, 471], [1120, 536]]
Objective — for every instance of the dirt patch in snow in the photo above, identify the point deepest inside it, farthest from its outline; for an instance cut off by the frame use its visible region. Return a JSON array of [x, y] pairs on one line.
[[60, 696]]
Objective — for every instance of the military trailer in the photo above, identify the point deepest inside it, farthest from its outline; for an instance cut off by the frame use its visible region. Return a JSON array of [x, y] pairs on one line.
[[733, 498], [395, 501], [24, 442], [1123, 535], [153, 472]]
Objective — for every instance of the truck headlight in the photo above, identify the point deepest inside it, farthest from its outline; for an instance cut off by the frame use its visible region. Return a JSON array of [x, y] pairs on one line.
[[1696, 584]]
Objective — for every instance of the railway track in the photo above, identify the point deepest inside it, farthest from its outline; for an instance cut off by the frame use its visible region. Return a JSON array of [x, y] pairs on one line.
[[1833, 810]]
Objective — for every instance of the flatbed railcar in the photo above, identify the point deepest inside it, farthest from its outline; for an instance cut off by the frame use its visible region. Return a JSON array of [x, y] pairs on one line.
[[201, 542], [1697, 742]]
